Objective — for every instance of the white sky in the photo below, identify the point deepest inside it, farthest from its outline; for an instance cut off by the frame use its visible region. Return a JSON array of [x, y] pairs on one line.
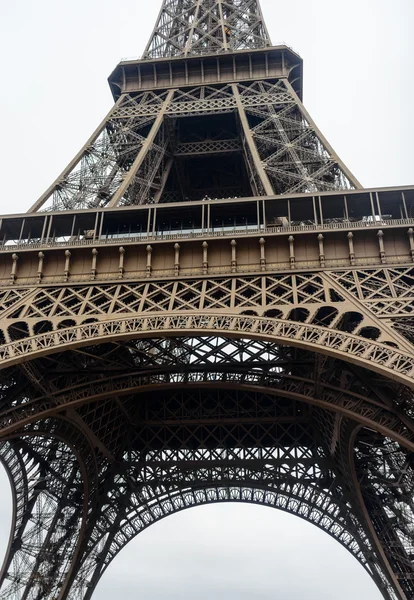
[[359, 64]]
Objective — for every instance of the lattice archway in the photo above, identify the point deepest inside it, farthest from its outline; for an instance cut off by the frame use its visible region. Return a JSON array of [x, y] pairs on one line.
[[292, 503], [382, 358], [50, 467], [207, 361], [248, 360]]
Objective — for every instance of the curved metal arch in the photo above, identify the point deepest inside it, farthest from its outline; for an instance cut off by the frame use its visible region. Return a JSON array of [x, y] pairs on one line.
[[32, 493], [180, 500], [398, 574], [244, 328], [372, 355], [360, 409], [152, 486], [17, 475]]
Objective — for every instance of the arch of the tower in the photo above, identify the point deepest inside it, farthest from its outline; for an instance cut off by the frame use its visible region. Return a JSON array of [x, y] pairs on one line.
[[50, 468], [205, 408], [385, 358], [306, 502]]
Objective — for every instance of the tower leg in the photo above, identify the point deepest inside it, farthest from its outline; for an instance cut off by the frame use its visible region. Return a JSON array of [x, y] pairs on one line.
[[50, 497]]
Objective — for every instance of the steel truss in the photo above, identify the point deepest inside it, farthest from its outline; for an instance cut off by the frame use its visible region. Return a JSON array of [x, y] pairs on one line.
[[188, 27], [247, 387], [129, 159], [255, 422], [50, 481]]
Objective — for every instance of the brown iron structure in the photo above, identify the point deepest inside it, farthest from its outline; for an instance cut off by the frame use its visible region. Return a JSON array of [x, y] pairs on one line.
[[206, 306]]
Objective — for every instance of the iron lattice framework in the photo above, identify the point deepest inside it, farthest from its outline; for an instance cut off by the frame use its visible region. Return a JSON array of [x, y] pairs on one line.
[[188, 27], [206, 307]]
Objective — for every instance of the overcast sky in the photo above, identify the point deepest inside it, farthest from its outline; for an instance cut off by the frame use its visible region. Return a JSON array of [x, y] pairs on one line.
[[358, 55]]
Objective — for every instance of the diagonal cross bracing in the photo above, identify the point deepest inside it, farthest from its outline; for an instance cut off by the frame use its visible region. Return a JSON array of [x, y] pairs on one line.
[[188, 27]]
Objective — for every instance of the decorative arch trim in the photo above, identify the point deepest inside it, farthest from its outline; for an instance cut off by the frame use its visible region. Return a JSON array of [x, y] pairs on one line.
[[297, 502], [370, 354]]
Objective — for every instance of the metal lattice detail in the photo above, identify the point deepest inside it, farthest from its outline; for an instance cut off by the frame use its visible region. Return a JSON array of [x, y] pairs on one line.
[[129, 159], [202, 361], [134, 386], [48, 481], [188, 27], [386, 478], [379, 357], [261, 293], [387, 292], [303, 384], [293, 155]]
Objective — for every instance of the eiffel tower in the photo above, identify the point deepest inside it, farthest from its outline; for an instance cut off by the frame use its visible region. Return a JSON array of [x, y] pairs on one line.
[[206, 306]]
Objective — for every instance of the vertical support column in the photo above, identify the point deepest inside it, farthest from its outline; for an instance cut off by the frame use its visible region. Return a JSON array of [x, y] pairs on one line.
[[404, 205], [41, 257], [346, 213], [315, 213], [380, 236], [165, 175], [223, 25], [13, 273], [66, 271], [189, 42], [267, 186], [321, 250], [411, 241], [49, 229], [372, 208], [292, 251], [203, 217], [149, 260], [233, 245], [176, 259], [205, 258], [262, 243], [94, 261], [350, 238], [149, 222], [42, 236], [142, 153], [121, 262]]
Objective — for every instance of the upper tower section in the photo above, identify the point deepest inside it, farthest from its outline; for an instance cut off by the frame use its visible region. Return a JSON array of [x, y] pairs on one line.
[[211, 111], [192, 28]]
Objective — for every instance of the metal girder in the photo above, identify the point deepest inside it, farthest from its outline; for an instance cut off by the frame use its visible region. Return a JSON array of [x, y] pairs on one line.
[[194, 27]]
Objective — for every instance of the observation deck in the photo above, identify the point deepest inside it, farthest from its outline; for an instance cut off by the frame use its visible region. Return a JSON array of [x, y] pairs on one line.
[[276, 62], [301, 232]]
